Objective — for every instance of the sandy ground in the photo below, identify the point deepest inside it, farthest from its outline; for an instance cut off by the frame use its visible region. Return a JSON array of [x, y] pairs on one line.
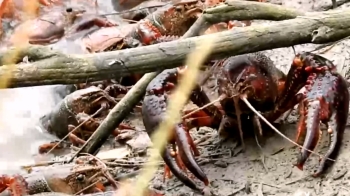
[[231, 171]]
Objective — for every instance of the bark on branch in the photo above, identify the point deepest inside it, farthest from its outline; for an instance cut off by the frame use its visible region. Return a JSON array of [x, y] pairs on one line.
[[246, 10], [321, 27]]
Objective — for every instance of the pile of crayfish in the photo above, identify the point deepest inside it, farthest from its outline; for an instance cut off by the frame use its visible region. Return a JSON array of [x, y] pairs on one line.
[[246, 83]]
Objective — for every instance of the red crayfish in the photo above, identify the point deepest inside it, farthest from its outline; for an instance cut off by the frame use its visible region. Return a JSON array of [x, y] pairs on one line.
[[254, 77], [84, 176]]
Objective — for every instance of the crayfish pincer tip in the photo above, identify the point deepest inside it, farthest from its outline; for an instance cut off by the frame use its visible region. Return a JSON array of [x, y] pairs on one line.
[[315, 175], [318, 173], [299, 166]]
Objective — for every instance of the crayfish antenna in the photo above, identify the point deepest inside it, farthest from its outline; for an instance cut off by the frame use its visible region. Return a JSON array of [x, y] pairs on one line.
[[294, 51], [245, 100], [205, 106], [238, 114], [262, 157]]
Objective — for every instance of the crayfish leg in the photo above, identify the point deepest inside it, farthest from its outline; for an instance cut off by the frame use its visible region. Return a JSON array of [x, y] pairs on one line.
[[73, 138], [47, 147], [192, 144], [197, 118], [167, 173], [88, 23], [76, 140], [125, 126]]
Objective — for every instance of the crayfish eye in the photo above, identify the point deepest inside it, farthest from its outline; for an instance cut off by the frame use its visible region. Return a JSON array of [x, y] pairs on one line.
[[179, 8], [69, 10], [80, 177]]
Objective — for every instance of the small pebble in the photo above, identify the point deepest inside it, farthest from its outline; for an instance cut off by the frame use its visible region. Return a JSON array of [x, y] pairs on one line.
[[340, 174], [221, 164], [214, 183], [158, 186]]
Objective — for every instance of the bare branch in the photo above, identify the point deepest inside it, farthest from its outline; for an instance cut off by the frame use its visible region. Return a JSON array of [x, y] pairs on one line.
[[321, 27], [246, 10]]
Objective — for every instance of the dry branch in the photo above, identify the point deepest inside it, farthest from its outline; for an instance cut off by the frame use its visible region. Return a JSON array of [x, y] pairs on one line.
[[246, 10], [321, 27]]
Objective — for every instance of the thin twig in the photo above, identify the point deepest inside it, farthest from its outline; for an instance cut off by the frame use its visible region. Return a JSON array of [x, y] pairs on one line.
[[237, 191], [127, 176], [105, 170], [46, 163], [133, 10], [296, 180], [84, 189]]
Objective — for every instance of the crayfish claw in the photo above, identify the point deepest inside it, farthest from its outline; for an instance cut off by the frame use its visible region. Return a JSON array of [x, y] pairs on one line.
[[175, 169], [336, 122], [326, 100], [186, 154], [312, 123], [153, 112]]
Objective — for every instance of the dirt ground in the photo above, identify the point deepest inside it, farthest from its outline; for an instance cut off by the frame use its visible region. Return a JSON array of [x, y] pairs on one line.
[[232, 170]]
